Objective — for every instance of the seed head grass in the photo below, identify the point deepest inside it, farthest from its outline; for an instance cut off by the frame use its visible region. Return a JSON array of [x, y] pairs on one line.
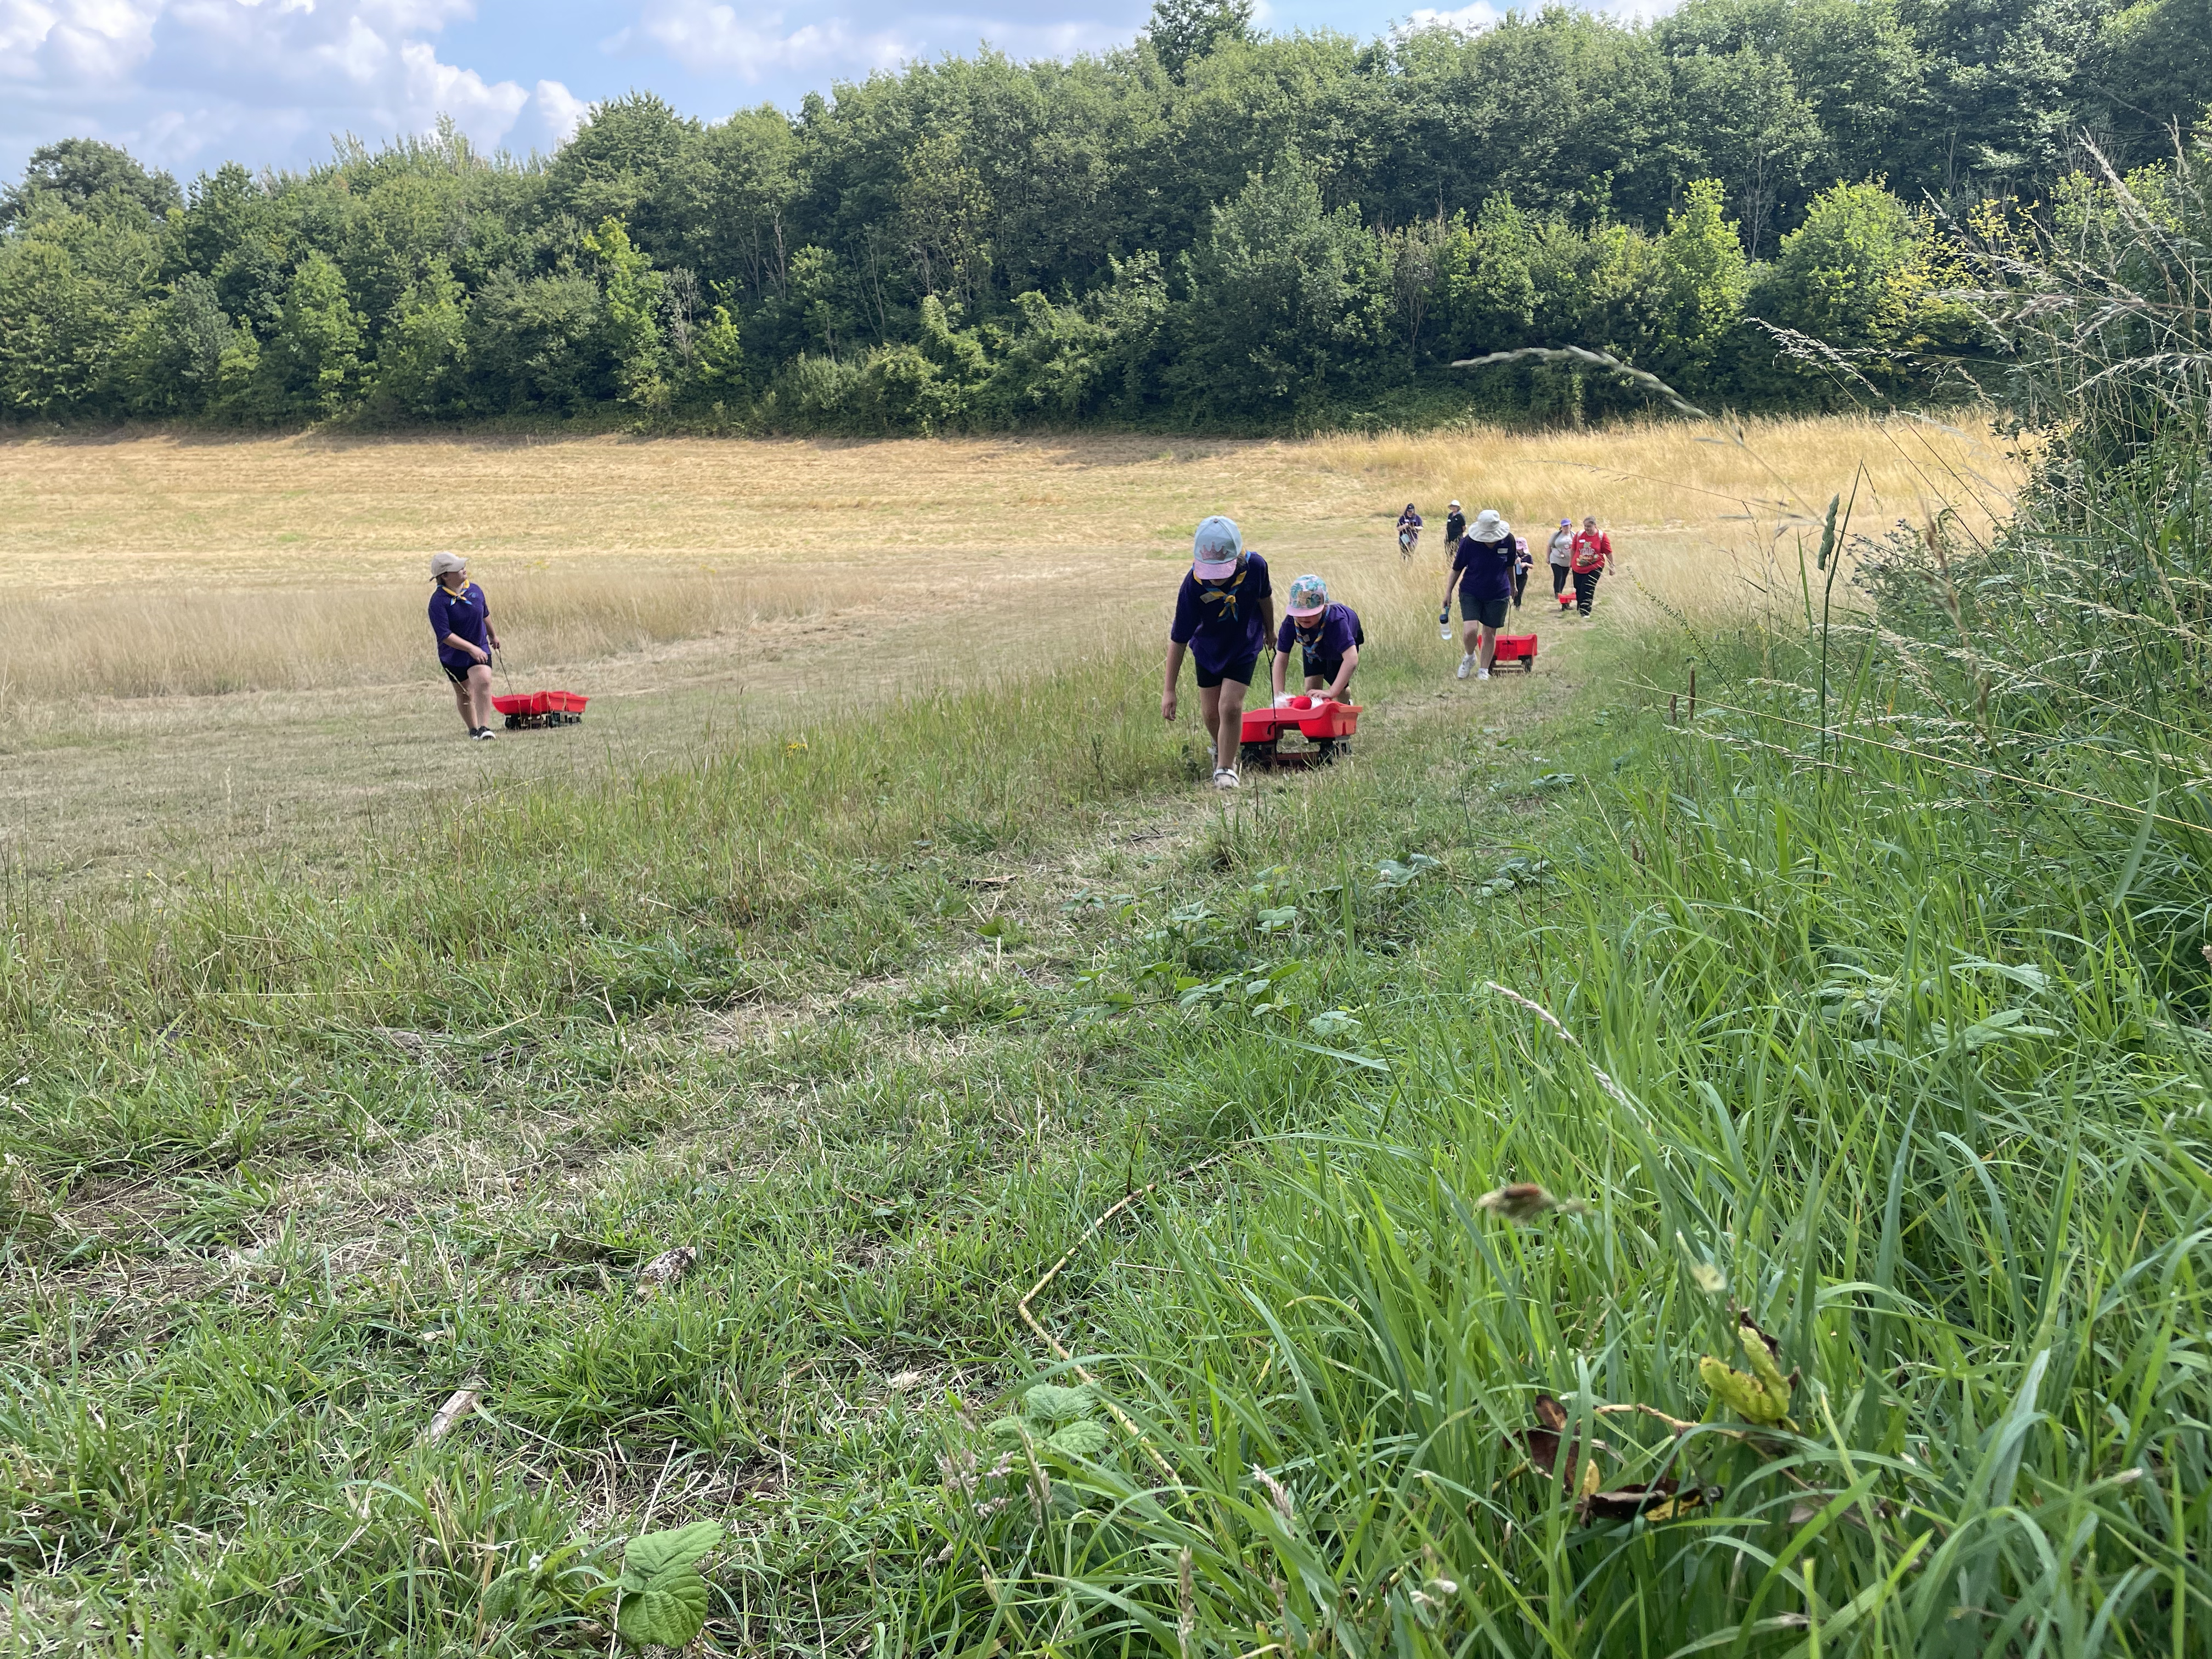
[[1485, 1084]]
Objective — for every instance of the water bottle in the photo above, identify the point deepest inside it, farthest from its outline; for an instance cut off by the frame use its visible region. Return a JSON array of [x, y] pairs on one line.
[[1443, 625]]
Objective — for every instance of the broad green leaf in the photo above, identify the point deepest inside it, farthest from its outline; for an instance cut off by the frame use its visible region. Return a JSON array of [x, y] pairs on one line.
[[1084, 1438], [664, 1598], [1046, 1402], [669, 1613]]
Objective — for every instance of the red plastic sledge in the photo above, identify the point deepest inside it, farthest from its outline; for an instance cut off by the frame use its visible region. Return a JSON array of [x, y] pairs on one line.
[[1328, 725], [541, 708], [1516, 647]]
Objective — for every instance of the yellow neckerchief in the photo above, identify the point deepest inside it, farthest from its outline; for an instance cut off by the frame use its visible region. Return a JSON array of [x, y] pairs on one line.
[[1226, 595], [448, 593]]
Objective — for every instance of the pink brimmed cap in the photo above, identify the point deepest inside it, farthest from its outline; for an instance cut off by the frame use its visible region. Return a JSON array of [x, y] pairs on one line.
[[1308, 596], [1215, 549]]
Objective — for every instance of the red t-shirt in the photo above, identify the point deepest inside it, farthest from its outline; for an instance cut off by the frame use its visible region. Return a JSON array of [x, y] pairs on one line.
[[1591, 551]]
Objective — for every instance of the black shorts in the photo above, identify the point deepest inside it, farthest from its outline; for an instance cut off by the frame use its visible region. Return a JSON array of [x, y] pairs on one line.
[[1490, 613], [460, 676], [1240, 671], [1324, 670]]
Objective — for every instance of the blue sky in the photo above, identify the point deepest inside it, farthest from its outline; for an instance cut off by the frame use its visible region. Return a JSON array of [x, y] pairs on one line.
[[187, 84]]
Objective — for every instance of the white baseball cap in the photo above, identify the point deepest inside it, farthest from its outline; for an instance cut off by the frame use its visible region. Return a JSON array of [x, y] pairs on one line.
[[1216, 547]]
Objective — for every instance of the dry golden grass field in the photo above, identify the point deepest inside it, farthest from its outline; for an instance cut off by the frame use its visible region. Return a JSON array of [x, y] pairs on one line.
[[216, 647]]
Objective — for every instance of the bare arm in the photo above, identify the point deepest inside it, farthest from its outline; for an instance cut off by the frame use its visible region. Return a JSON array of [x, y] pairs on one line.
[[460, 644], [1343, 675], [1174, 669]]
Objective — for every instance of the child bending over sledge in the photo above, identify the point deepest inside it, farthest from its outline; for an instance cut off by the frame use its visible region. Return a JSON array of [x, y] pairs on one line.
[[1328, 637]]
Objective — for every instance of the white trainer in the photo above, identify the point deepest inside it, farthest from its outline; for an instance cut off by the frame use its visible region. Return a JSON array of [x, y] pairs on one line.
[[1467, 665], [1225, 777]]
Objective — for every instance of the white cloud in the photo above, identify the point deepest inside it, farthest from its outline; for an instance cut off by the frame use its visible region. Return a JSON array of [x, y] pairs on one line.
[[181, 81], [1471, 19], [707, 35], [559, 112]]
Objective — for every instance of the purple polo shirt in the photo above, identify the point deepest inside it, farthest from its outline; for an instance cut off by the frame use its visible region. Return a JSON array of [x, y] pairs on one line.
[[1323, 640], [1485, 568], [465, 614], [1220, 621]]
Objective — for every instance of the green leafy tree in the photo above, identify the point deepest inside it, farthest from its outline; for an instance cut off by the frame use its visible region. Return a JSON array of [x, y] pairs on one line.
[[1182, 31], [311, 364], [947, 212], [1753, 132], [718, 356], [734, 193], [2008, 84], [1856, 62], [70, 174], [71, 284], [631, 295], [816, 296], [531, 343], [1863, 276], [1289, 297], [2153, 74], [173, 362], [618, 165], [1704, 279], [1488, 280], [422, 362]]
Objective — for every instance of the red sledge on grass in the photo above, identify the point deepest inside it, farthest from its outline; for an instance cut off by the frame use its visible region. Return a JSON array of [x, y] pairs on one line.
[[1515, 648], [1328, 725], [531, 708]]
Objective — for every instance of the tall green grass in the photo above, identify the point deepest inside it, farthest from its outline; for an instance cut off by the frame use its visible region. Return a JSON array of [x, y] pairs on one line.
[[1879, 986], [1892, 1078]]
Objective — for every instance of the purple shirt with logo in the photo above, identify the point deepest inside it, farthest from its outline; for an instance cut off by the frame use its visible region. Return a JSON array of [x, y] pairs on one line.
[[1323, 640], [465, 614], [1221, 621], [1485, 568]]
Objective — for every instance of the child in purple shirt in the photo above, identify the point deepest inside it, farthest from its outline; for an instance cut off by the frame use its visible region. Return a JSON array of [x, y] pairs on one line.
[[1224, 617], [1328, 637], [460, 621]]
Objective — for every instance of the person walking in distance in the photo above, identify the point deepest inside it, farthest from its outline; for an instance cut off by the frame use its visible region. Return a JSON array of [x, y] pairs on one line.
[[1224, 617], [1591, 554], [460, 621], [1520, 563], [1562, 558], [1455, 527], [1482, 566]]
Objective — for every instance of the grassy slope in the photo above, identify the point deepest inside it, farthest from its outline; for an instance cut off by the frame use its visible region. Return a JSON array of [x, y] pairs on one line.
[[288, 1164]]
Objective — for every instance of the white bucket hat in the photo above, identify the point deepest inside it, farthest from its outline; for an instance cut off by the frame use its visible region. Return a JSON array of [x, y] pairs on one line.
[[1488, 527]]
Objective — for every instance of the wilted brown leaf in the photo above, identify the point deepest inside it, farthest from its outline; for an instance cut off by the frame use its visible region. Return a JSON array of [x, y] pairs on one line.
[[1543, 1445]]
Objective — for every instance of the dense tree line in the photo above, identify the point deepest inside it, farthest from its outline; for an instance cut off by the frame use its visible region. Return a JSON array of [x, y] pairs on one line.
[[1212, 226]]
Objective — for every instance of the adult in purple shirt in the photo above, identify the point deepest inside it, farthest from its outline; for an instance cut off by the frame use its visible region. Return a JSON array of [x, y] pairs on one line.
[[460, 620], [1328, 637], [1482, 566], [1224, 617]]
